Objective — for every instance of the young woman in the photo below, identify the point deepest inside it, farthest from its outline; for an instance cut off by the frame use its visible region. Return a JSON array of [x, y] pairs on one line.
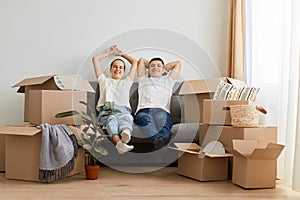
[[114, 95]]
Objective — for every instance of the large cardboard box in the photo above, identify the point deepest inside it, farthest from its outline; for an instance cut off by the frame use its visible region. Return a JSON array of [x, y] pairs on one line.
[[225, 134], [194, 164], [2, 153], [22, 153], [218, 111], [50, 82], [254, 167], [195, 91], [45, 104]]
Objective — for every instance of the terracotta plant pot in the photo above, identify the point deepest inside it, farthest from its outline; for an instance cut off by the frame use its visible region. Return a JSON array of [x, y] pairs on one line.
[[91, 172]]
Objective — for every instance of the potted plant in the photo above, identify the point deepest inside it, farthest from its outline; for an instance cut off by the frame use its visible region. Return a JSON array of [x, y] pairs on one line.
[[91, 140]]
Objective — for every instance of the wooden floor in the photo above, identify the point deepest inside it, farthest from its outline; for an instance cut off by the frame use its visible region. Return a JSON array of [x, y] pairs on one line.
[[159, 184]]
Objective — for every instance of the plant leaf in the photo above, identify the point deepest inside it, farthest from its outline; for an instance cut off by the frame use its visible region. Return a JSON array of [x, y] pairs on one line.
[[87, 146], [66, 114], [101, 150]]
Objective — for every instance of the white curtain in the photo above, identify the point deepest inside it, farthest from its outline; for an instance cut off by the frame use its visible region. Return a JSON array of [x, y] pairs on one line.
[[272, 63]]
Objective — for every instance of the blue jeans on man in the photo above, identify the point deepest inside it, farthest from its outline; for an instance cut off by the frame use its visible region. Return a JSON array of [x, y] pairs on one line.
[[156, 124]]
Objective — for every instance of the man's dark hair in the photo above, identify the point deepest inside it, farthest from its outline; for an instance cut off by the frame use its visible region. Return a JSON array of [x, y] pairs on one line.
[[111, 64], [159, 59]]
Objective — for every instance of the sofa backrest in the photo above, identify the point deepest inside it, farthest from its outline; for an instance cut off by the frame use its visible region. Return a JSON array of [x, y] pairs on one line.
[[176, 100]]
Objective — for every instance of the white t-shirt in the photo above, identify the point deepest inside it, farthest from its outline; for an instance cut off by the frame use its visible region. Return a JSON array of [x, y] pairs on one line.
[[112, 90], [155, 92]]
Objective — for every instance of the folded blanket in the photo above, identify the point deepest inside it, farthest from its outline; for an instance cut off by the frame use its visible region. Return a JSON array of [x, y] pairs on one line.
[[58, 151]]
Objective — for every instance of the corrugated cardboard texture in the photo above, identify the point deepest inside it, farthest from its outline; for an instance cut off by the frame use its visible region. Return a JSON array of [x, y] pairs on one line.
[[45, 104], [45, 83], [257, 169], [23, 153], [217, 112], [203, 169], [225, 134], [193, 107]]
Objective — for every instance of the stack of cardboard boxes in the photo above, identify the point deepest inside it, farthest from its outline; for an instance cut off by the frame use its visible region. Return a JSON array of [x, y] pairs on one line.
[[253, 164], [45, 96]]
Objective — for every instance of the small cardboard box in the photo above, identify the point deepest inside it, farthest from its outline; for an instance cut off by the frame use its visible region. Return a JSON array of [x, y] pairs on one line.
[[45, 104], [254, 167], [218, 111], [50, 82], [225, 134], [194, 92], [2, 153], [22, 153], [194, 164]]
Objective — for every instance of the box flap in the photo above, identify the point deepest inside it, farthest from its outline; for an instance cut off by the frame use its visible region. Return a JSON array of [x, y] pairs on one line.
[[188, 146], [272, 151], [244, 147], [13, 130], [199, 86], [33, 81], [73, 82], [248, 148], [219, 155], [62, 82], [234, 152], [85, 86], [192, 148]]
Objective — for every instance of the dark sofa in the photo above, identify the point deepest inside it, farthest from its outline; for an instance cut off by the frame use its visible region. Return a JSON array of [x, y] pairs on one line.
[[144, 152]]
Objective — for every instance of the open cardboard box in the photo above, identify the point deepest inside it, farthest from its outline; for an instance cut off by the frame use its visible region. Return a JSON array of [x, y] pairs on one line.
[[51, 82], [22, 152], [194, 164], [195, 91], [254, 167]]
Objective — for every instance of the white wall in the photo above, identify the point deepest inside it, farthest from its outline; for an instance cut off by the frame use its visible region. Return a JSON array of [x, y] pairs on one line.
[[41, 37]]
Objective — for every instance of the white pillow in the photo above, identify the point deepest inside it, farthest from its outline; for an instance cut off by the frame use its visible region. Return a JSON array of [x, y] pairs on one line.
[[227, 91]]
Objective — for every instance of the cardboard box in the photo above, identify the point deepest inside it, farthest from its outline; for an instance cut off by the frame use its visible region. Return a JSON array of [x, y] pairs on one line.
[[218, 111], [194, 92], [194, 164], [51, 82], [45, 104], [225, 134], [2, 153], [254, 167], [22, 153]]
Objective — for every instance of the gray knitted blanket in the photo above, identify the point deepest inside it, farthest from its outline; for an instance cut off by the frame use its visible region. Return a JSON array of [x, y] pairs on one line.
[[58, 151]]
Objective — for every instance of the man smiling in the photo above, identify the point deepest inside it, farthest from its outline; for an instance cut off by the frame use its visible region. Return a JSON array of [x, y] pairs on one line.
[[155, 90]]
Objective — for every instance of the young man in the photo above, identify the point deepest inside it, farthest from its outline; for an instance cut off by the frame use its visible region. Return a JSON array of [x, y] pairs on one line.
[[155, 91], [114, 94]]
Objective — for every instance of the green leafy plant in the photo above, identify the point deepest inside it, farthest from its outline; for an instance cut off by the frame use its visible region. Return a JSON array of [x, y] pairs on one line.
[[92, 134]]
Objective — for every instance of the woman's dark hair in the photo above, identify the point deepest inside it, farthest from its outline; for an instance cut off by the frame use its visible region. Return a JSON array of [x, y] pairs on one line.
[[111, 64], [159, 59]]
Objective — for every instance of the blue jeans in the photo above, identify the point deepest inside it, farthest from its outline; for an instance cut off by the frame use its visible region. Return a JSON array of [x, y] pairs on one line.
[[154, 122], [117, 122]]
